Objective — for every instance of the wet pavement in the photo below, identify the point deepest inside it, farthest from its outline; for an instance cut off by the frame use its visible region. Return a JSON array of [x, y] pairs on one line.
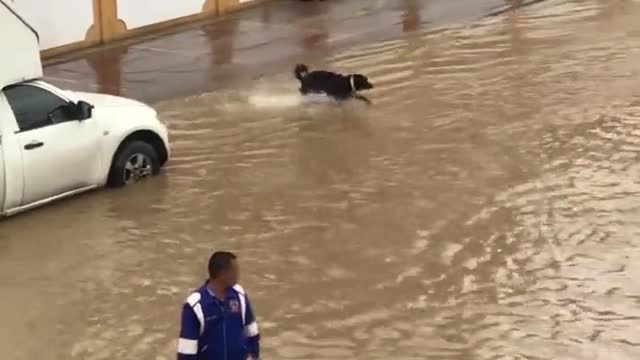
[[485, 206], [246, 45]]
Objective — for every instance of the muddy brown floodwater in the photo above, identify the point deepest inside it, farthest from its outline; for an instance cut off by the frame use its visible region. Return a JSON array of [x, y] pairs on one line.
[[486, 207]]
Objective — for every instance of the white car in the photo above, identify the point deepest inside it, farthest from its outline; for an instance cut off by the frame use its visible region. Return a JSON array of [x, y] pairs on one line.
[[56, 143]]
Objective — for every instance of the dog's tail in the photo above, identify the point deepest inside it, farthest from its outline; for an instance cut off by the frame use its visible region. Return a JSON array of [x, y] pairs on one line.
[[301, 71]]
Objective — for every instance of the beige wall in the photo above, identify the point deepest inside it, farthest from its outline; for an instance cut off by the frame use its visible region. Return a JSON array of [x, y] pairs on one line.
[[69, 24]]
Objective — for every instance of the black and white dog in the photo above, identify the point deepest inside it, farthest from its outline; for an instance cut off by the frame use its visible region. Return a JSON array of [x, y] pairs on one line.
[[337, 86]]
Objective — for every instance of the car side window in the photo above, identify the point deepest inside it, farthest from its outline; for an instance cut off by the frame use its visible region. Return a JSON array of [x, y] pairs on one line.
[[32, 105]]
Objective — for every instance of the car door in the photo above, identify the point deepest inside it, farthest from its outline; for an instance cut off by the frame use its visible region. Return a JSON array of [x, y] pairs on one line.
[[59, 153]]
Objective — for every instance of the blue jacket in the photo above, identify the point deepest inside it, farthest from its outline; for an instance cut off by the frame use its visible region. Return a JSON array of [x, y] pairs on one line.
[[218, 330]]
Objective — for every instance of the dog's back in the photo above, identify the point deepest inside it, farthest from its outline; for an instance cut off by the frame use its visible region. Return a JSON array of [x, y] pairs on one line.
[[321, 81], [340, 87]]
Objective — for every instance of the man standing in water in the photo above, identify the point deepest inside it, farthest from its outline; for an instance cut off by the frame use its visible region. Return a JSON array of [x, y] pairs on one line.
[[217, 320]]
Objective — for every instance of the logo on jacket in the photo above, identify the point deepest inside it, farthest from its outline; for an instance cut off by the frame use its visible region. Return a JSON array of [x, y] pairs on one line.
[[234, 305]]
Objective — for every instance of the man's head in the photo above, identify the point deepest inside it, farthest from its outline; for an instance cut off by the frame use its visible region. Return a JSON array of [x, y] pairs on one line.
[[223, 268]]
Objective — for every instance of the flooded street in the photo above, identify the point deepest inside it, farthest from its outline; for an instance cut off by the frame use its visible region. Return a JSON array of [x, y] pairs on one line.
[[487, 206]]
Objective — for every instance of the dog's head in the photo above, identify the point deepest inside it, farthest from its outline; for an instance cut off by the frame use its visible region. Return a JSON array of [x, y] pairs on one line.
[[301, 71], [361, 82]]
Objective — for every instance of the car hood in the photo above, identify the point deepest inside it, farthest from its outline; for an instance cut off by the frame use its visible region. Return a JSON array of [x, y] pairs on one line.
[[103, 100]]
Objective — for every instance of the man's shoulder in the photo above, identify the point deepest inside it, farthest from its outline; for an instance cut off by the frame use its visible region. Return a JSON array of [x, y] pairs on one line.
[[239, 289], [195, 297]]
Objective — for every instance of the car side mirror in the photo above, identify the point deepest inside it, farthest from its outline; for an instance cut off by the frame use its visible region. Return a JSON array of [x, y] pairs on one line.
[[84, 110], [62, 113], [80, 112]]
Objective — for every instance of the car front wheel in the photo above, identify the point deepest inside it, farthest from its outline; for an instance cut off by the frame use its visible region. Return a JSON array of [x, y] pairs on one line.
[[134, 162]]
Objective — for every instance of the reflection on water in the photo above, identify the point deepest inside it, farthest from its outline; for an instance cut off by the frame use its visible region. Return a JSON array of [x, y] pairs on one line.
[[486, 207]]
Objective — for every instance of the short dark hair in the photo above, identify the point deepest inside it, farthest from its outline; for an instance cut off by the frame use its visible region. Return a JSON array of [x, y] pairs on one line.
[[219, 262]]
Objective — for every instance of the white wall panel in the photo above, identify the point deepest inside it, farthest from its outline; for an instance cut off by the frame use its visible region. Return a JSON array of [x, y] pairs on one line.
[[59, 22], [137, 13], [21, 56]]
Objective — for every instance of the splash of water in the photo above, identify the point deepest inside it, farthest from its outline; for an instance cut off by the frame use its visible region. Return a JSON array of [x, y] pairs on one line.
[[283, 100]]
